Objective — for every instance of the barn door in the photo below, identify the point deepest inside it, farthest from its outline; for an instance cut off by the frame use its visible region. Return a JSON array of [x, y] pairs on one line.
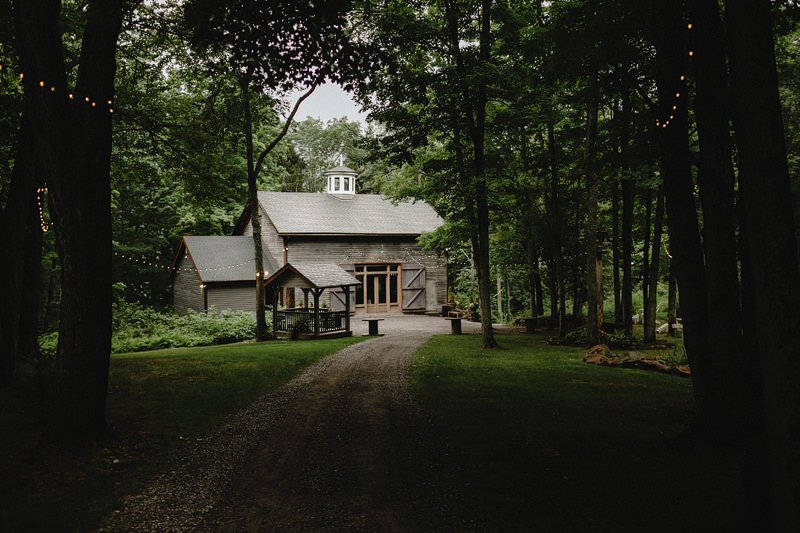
[[414, 287]]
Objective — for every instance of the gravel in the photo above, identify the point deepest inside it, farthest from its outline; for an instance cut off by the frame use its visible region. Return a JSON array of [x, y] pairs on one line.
[[343, 446]]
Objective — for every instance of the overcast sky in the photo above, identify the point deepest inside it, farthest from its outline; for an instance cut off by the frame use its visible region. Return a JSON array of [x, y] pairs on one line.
[[326, 102]]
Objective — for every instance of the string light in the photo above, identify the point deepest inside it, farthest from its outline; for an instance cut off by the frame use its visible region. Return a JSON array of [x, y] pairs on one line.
[[147, 262], [665, 123], [53, 89], [40, 192]]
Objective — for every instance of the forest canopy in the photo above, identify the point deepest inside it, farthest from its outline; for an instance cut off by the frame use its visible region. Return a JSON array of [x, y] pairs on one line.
[[597, 162]]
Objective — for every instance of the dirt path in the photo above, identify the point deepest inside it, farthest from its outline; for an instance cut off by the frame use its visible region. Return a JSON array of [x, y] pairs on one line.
[[340, 448]]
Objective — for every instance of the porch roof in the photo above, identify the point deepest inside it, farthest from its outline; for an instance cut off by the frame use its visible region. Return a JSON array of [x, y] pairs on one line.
[[311, 276]]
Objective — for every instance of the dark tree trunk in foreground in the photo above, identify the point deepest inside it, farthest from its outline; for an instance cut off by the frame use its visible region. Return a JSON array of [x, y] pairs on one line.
[[21, 242], [73, 146], [766, 193], [679, 194], [594, 272], [653, 270], [716, 183]]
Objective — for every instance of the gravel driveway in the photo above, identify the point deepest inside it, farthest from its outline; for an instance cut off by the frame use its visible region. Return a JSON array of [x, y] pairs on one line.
[[342, 447]]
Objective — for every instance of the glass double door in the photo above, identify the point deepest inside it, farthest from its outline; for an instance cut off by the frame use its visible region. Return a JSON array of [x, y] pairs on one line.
[[379, 291]]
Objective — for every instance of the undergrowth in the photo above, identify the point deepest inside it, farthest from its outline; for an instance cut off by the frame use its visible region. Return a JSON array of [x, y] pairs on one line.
[[136, 328]]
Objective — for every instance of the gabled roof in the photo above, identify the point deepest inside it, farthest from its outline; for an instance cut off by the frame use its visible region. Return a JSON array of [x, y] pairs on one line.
[[318, 275], [224, 258], [303, 213]]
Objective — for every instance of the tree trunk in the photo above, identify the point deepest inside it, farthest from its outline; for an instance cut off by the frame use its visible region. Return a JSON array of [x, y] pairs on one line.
[[558, 308], [499, 298], [615, 257], [539, 294], [552, 288], [648, 220], [594, 279], [716, 184], [255, 215], [20, 239], [627, 218], [473, 105], [651, 305], [73, 144], [679, 194], [672, 303], [766, 193]]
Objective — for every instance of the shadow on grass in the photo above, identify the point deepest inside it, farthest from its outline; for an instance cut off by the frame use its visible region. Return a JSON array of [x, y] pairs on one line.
[[533, 439], [157, 400]]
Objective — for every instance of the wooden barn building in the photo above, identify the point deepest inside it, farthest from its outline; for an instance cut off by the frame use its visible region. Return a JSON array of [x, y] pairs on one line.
[[367, 236]]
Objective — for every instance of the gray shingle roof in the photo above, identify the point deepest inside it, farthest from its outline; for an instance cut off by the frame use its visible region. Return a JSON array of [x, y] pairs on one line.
[[325, 274], [341, 169], [363, 214], [226, 258]]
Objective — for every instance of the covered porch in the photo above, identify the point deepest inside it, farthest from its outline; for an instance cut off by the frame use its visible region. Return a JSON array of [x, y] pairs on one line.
[[310, 320]]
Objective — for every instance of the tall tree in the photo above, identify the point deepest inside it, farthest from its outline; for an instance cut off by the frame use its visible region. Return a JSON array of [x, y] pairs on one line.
[[71, 130], [766, 195], [296, 44], [673, 140], [20, 237], [653, 272], [716, 184], [594, 266]]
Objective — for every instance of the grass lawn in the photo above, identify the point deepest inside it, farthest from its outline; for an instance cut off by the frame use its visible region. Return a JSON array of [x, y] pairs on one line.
[[156, 400], [540, 441]]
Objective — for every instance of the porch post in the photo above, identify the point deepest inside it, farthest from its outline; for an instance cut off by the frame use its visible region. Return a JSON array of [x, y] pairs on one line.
[[274, 298], [316, 311], [346, 290]]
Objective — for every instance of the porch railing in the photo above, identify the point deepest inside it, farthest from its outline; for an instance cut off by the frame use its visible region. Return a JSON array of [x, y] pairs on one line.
[[288, 320]]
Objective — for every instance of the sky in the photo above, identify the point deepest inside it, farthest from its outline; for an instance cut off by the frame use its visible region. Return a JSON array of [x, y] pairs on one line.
[[326, 102]]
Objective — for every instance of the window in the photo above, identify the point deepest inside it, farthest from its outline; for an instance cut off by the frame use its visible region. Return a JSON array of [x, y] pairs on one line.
[[347, 184], [335, 184]]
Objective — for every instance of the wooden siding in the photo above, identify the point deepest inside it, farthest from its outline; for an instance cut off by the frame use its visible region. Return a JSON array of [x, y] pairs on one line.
[[345, 251], [236, 296], [269, 236], [186, 292]]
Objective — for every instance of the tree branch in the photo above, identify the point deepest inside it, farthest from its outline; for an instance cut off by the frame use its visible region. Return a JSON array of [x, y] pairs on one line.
[[264, 153]]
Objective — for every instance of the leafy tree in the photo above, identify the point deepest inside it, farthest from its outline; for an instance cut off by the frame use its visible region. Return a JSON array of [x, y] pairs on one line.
[[269, 45], [72, 142]]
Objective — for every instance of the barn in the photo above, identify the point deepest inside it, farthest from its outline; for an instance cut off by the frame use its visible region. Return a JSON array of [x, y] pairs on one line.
[[368, 236]]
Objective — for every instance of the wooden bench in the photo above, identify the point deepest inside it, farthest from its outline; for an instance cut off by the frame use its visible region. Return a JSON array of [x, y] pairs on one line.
[[373, 325], [455, 325]]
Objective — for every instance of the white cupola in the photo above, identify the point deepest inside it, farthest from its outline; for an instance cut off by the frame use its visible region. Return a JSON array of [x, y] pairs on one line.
[[341, 181]]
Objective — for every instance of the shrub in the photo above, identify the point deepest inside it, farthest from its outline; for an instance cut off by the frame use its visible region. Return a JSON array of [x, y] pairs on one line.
[[139, 329]]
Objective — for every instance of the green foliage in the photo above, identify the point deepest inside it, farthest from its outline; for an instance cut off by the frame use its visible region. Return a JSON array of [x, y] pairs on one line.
[[137, 328], [299, 327]]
